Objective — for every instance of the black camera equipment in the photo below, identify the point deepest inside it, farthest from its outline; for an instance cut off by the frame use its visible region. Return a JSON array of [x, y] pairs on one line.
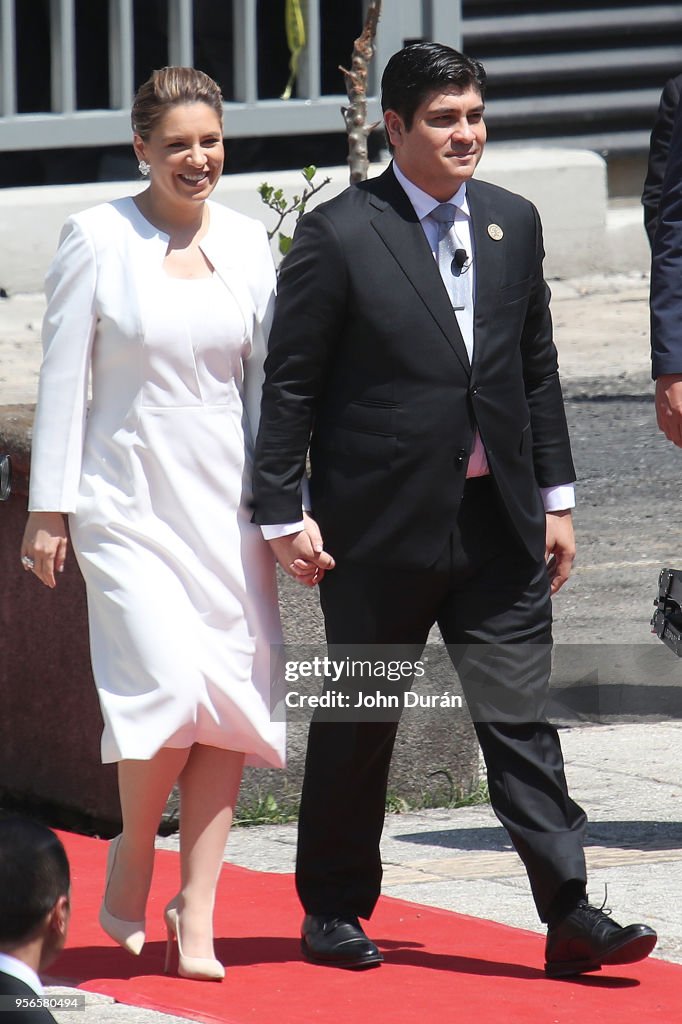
[[667, 619]]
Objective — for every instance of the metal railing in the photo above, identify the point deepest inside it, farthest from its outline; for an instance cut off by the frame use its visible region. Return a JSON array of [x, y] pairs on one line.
[[558, 73], [246, 113]]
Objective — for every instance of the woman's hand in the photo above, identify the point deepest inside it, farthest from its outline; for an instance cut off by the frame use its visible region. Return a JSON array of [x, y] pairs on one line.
[[45, 545]]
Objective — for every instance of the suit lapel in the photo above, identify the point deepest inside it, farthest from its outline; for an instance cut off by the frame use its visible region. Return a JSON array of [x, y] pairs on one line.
[[489, 255], [398, 226]]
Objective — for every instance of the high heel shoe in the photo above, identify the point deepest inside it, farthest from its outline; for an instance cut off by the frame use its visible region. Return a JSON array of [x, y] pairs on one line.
[[129, 934], [197, 968]]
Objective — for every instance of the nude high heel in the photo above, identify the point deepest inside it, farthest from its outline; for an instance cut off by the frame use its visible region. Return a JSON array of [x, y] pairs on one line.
[[197, 968], [129, 934]]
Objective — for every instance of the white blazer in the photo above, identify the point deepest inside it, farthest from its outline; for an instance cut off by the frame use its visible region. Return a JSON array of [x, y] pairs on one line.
[[93, 286]]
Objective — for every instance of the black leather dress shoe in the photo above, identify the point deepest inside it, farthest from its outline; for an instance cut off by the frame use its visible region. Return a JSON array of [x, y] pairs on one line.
[[337, 940], [587, 938]]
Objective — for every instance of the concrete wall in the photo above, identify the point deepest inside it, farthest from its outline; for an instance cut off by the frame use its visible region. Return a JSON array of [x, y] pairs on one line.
[[50, 725], [569, 187]]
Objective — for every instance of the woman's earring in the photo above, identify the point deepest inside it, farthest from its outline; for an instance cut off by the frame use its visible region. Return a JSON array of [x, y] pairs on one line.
[[144, 168]]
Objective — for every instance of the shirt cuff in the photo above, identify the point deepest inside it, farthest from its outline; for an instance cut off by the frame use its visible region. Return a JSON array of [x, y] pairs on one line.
[[305, 494], [558, 498], [274, 531]]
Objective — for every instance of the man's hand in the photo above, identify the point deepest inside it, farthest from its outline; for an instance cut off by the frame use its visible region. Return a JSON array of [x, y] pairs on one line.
[[559, 547], [302, 554], [669, 406]]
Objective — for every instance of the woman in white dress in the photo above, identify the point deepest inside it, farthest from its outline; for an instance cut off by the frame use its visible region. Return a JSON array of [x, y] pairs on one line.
[[164, 300]]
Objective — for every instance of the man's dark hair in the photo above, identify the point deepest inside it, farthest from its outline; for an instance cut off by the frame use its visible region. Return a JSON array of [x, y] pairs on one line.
[[422, 68], [34, 873]]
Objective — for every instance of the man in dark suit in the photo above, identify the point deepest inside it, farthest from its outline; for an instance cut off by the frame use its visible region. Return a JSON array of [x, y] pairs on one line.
[[34, 914], [659, 146], [666, 293], [412, 348]]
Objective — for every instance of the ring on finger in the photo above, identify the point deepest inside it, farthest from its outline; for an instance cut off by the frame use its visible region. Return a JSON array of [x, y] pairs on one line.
[[27, 563]]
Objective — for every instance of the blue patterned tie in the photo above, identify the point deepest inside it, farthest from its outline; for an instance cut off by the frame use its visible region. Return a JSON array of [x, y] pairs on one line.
[[454, 277]]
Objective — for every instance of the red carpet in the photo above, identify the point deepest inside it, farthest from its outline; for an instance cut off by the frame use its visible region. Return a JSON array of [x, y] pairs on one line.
[[440, 967]]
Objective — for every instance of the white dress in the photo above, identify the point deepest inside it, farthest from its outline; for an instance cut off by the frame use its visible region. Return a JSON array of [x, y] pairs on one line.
[[181, 586]]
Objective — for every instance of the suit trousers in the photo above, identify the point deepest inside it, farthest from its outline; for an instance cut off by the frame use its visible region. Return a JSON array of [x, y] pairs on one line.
[[492, 604]]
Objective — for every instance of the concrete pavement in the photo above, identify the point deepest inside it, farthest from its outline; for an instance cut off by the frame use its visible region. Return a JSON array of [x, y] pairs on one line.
[[601, 328]]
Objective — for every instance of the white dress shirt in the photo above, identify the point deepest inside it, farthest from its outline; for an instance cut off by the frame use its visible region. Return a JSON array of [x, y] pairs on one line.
[[21, 971], [555, 498], [423, 205]]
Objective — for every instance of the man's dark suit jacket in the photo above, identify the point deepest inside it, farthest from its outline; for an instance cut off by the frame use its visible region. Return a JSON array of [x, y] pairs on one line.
[[659, 146], [666, 265], [366, 352], [11, 986]]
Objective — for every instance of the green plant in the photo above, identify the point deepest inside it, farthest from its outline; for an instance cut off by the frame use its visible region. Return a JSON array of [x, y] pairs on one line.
[[275, 199], [296, 41], [266, 810], [438, 797]]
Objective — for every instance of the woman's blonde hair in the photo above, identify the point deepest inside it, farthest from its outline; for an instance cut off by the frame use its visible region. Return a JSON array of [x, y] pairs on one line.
[[168, 87]]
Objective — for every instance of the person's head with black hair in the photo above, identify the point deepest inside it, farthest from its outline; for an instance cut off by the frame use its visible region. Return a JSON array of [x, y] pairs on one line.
[[433, 102], [420, 69], [34, 892]]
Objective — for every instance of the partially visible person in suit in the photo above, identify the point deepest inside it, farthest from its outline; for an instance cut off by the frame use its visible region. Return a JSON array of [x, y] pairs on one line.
[[659, 146], [666, 293], [34, 912], [412, 349]]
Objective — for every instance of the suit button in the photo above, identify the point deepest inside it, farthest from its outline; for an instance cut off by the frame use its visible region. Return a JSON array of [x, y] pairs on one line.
[[474, 391], [460, 457]]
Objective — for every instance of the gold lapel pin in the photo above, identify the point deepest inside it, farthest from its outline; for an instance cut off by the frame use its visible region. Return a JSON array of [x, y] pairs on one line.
[[495, 232]]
